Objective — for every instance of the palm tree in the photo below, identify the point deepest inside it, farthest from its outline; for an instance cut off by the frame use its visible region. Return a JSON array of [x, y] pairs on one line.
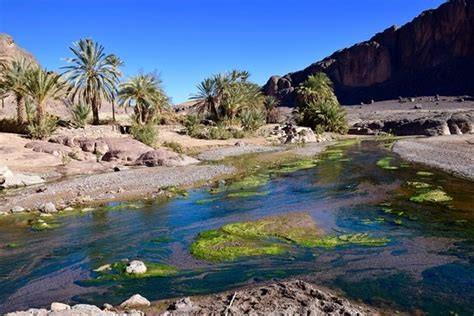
[[145, 94], [92, 74], [116, 62], [13, 81], [212, 92], [317, 88], [41, 86]]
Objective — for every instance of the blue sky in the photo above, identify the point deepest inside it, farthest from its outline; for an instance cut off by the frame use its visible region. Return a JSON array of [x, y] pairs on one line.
[[187, 40]]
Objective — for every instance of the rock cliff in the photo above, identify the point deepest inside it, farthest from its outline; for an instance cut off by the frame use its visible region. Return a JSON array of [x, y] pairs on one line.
[[433, 54]]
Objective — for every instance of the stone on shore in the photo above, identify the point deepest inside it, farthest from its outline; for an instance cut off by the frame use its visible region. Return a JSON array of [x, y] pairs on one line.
[[136, 267], [58, 307], [9, 179], [48, 208], [17, 209], [136, 301], [163, 157]]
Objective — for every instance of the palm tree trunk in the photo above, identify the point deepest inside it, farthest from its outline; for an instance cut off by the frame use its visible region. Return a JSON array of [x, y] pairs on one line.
[[113, 110], [20, 110], [39, 113], [95, 112]]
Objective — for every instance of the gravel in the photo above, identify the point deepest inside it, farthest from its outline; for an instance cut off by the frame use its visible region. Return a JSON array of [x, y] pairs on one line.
[[128, 184], [453, 154], [221, 153]]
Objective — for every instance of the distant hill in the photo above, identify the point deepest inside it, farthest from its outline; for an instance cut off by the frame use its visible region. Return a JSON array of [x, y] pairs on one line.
[[10, 50], [433, 54]]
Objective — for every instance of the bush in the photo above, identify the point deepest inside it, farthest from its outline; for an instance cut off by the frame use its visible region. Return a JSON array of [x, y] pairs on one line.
[[43, 129], [252, 119], [191, 124], [80, 113], [324, 117], [219, 132], [146, 134], [174, 146]]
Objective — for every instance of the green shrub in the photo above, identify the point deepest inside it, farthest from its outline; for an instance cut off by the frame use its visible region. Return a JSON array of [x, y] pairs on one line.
[[191, 124], [146, 134], [318, 106], [174, 146], [43, 129], [252, 119], [219, 132], [80, 113], [323, 117]]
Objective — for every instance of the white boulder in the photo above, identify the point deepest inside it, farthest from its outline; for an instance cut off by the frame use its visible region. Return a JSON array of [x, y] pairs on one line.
[[136, 267], [136, 301]]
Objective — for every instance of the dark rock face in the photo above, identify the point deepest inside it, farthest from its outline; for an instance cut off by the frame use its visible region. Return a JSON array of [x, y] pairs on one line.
[[433, 54], [445, 123]]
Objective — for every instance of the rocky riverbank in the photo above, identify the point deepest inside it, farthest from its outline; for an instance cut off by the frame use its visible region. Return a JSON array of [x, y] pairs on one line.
[[293, 297], [453, 154]]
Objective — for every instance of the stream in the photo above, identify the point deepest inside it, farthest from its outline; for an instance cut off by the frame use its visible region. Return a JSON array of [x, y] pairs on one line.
[[428, 264]]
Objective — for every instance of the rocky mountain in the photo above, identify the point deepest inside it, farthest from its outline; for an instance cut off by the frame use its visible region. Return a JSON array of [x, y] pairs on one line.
[[10, 50], [433, 54]]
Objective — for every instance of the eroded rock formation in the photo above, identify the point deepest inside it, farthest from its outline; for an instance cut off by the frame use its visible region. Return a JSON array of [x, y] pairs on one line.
[[433, 54]]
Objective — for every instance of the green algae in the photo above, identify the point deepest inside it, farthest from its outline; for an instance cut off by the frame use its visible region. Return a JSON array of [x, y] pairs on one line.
[[271, 236], [176, 191], [217, 245], [433, 196], [43, 224], [342, 144], [117, 271], [424, 173], [250, 182], [246, 194], [295, 166], [12, 245], [161, 239], [206, 201], [360, 239], [385, 163], [419, 185]]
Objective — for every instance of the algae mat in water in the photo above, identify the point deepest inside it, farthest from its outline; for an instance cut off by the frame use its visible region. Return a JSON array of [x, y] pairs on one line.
[[117, 271], [271, 236]]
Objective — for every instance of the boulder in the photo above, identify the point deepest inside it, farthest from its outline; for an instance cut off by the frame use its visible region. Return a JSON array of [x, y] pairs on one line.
[[48, 208], [58, 307], [17, 209], [124, 149], [10, 179], [54, 149], [87, 309], [136, 301], [163, 157], [292, 134], [136, 267]]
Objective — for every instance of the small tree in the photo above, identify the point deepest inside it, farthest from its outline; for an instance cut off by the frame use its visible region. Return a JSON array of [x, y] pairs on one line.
[[271, 105], [318, 106], [145, 95], [41, 86]]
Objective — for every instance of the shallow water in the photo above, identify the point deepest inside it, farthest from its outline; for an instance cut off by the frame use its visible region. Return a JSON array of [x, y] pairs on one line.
[[428, 264]]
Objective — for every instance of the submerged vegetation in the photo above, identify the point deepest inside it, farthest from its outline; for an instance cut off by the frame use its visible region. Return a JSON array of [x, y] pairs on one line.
[[271, 236], [117, 271], [385, 163], [434, 196]]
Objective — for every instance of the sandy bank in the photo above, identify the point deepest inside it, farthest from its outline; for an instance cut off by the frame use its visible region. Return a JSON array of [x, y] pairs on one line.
[[453, 154]]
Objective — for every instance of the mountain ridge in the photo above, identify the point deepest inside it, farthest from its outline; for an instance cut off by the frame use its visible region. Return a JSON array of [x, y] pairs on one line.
[[432, 54]]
